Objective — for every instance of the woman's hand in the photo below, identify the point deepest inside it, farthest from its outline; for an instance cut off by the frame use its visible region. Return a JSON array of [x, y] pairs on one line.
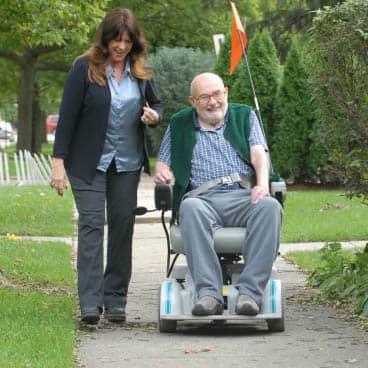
[[149, 116], [58, 176]]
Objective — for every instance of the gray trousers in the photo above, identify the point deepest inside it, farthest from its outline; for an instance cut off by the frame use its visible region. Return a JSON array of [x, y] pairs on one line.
[[200, 216], [117, 193]]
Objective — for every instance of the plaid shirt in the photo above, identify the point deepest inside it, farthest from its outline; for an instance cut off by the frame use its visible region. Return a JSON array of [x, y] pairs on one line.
[[213, 156]]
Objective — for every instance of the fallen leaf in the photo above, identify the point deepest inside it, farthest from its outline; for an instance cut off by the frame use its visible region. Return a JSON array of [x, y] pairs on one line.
[[198, 350]]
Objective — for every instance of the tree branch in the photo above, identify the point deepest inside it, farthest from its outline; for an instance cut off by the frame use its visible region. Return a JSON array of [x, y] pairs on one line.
[[11, 56], [52, 66], [45, 49]]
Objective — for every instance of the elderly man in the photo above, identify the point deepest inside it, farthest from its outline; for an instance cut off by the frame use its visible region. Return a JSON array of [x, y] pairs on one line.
[[216, 152]]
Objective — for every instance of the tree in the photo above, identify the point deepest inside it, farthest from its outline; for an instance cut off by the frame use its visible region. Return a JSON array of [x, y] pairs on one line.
[[174, 70], [28, 34], [265, 70], [295, 115], [8, 76], [189, 23], [340, 75], [285, 18]]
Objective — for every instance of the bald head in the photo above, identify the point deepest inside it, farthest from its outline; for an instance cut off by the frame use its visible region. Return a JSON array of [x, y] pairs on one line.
[[204, 79], [209, 98]]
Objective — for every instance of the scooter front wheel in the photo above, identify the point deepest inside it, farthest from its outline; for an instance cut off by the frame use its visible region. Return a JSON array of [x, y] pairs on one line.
[[165, 325]]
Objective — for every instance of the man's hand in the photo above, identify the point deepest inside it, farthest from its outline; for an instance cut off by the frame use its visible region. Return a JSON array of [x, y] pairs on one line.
[[163, 174], [259, 192], [260, 162], [58, 176]]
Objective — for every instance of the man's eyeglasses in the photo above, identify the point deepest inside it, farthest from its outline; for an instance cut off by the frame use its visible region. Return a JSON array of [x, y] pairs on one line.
[[205, 99]]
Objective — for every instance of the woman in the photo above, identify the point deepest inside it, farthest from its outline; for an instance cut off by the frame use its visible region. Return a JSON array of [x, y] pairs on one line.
[[100, 143]]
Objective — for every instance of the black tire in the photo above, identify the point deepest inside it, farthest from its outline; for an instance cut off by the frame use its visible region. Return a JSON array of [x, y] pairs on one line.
[[165, 325], [276, 325]]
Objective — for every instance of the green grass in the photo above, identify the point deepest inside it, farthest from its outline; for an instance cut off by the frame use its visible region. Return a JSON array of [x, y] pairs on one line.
[[309, 260], [40, 264], [37, 329], [329, 216], [37, 313], [35, 210], [152, 162]]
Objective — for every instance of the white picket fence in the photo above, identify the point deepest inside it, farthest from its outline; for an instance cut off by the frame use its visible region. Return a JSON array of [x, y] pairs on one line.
[[30, 169]]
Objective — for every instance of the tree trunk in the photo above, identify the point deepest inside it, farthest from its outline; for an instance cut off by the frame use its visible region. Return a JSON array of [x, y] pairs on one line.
[[38, 122], [26, 103], [43, 126]]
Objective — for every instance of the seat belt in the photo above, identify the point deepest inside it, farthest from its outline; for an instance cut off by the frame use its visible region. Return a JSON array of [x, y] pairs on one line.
[[247, 182]]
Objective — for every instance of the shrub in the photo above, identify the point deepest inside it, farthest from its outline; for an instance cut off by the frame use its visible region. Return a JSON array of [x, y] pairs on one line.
[[265, 69], [295, 116], [341, 278], [222, 66], [339, 40], [174, 70]]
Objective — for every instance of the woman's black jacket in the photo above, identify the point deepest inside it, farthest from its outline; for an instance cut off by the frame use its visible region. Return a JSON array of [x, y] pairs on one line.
[[83, 118]]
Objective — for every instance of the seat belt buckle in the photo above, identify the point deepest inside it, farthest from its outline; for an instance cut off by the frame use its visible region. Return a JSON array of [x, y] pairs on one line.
[[227, 180]]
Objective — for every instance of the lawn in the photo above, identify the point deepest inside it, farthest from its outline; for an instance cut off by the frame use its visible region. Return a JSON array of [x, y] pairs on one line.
[[37, 264], [37, 304], [311, 216], [35, 210], [309, 260]]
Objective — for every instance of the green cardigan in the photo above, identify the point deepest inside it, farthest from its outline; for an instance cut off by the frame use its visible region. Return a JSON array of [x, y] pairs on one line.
[[183, 140]]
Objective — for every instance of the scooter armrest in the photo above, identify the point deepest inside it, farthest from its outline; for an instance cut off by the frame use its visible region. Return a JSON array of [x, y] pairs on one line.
[[163, 197], [278, 190]]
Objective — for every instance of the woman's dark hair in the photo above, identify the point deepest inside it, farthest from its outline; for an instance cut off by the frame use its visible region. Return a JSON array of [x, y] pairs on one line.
[[115, 23]]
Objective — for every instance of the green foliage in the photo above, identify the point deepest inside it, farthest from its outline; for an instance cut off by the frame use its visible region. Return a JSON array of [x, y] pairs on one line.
[[222, 66], [341, 278], [340, 75], [265, 69], [189, 23], [174, 70], [25, 23], [31, 32], [8, 76], [295, 116], [286, 18]]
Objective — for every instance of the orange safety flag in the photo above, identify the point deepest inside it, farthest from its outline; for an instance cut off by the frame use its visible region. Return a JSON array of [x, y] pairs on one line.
[[236, 46]]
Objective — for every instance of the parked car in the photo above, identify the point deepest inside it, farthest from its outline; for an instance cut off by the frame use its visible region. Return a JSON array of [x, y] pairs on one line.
[[7, 131], [51, 123]]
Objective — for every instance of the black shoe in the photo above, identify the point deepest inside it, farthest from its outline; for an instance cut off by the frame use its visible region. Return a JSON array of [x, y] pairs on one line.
[[90, 315], [246, 306], [206, 306], [115, 314]]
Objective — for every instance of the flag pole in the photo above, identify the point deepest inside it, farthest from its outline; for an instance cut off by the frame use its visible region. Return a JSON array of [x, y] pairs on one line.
[[245, 58]]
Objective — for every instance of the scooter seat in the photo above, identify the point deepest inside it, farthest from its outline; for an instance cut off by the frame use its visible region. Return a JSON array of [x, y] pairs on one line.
[[228, 240]]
